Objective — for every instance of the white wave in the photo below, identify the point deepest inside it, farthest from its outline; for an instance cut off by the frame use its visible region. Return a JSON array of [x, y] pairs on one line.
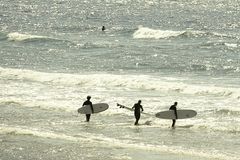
[[149, 33], [49, 104], [112, 142], [35, 132], [144, 32], [221, 35], [15, 36], [66, 92], [216, 124], [128, 82], [231, 45]]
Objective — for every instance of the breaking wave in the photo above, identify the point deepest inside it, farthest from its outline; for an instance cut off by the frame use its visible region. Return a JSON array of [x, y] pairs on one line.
[[148, 33], [15, 36], [131, 82], [29, 38]]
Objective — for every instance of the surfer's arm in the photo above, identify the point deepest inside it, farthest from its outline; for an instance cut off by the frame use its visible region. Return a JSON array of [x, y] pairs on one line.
[[92, 108], [175, 111], [133, 106]]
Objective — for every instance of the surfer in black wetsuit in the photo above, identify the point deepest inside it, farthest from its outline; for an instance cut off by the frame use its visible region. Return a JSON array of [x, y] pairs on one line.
[[174, 107], [103, 28], [88, 102], [137, 113]]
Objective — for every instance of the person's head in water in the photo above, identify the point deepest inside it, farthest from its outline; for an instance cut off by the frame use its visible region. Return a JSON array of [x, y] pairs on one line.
[[103, 28], [88, 97], [139, 101], [175, 103]]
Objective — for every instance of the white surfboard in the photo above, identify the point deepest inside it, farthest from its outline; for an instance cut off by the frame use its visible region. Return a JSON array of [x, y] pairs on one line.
[[182, 114], [122, 106], [98, 107], [130, 109]]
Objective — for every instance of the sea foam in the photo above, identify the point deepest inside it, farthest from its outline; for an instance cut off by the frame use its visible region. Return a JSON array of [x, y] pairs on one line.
[[130, 82]]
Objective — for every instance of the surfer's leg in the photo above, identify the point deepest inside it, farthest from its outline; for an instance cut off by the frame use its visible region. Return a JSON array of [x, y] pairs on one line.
[[136, 122], [88, 117], [137, 116], [173, 122]]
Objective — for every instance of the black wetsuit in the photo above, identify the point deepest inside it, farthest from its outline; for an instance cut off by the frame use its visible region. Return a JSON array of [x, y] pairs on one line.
[[103, 28], [137, 111], [173, 107], [88, 102]]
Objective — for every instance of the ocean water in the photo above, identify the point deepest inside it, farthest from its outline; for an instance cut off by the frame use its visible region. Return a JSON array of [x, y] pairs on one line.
[[53, 54]]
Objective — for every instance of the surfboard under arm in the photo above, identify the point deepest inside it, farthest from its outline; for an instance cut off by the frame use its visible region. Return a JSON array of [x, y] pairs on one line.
[[98, 107], [182, 114]]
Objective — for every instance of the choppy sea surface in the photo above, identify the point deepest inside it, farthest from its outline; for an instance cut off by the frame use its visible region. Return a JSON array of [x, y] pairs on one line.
[[54, 53]]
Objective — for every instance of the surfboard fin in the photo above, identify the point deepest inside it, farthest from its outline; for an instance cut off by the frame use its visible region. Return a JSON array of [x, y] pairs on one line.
[[121, 106]]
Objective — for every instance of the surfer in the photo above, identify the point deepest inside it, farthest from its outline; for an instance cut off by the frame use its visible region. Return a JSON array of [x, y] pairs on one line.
[[103, 28], [88, 102], [137, 113], [174, 107]]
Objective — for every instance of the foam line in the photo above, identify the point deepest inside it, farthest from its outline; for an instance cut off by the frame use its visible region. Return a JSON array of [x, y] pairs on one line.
[[112, 142]]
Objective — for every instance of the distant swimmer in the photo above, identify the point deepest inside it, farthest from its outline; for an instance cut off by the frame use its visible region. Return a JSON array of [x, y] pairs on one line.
[[137, 111], [88, 102], [103, 28], [174, 107]]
